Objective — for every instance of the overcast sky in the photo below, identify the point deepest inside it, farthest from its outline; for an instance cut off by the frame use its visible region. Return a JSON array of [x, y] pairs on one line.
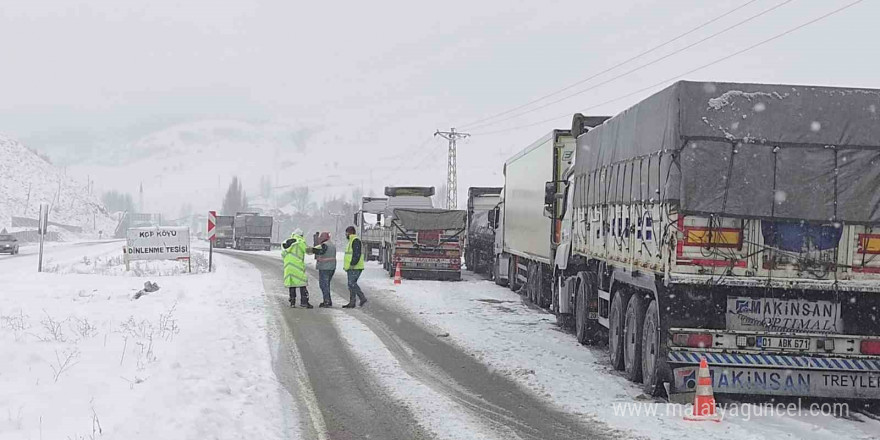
[[384, 75]]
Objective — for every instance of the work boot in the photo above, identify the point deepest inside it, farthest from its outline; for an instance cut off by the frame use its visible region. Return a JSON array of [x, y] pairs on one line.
[[348, 306], [363, 301], [324, 305], [292, 305], [306, 306]]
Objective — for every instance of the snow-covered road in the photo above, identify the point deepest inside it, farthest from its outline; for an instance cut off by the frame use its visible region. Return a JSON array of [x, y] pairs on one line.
[[525, 344], [221, 356], [375, 373]]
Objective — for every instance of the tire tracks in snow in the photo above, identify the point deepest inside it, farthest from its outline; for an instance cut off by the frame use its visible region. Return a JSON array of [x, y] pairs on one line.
[[505, 407]]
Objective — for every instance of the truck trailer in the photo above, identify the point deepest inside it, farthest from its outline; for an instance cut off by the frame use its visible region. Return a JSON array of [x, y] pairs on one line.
[[371, 233], [480, 239], [524, 234], [252, 231], [423, 241], [731, 222]]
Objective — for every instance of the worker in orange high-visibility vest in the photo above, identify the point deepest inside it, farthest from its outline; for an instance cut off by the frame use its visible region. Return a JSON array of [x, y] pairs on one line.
[[353, 266]]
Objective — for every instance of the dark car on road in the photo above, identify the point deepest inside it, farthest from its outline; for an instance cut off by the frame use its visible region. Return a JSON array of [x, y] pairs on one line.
[[8, 244]]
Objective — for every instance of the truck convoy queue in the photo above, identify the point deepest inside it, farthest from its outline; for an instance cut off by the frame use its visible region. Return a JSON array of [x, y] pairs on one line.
[[734, 222]]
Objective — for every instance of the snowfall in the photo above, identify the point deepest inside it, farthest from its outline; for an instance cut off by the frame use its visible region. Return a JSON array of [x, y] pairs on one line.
[[83, 359]]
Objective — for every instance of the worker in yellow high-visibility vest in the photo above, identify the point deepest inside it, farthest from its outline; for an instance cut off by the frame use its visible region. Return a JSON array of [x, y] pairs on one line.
[[294, 252], [353, 266]]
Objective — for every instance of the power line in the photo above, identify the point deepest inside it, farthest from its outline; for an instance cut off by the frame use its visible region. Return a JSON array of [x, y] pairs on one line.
[[724, 58], [405, 164], [631, 71], [571, 86]]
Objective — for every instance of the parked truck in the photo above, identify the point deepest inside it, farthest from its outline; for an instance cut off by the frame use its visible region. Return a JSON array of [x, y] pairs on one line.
[[370, 229], [735, 222], [480, 239], [424, 241], [524, 235], [224, 231], [252, 231]]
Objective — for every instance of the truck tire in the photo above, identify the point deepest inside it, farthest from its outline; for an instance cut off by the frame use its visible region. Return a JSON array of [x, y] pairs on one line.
[[512, 281], [655, 369], [632, 336], [541, 299], [615, 329], [587, 330], [532, 283]]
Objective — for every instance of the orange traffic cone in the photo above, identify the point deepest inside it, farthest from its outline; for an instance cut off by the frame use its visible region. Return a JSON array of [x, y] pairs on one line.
[[397, 274], [704, 400]]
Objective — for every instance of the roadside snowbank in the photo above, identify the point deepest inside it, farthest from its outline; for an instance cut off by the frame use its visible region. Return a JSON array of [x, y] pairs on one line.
[[81, 358], [525, 344]]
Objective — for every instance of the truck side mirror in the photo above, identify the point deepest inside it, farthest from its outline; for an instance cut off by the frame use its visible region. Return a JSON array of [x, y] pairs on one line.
[[356, 218], [492, 214]]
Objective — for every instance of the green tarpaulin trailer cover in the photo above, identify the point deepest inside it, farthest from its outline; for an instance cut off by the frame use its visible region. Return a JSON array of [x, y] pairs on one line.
[[430, 219], [744, 150]]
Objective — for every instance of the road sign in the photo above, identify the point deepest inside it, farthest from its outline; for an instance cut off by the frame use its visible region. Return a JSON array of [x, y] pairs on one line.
[[158, 243], [212, 235], [212, 222], [43, 227]]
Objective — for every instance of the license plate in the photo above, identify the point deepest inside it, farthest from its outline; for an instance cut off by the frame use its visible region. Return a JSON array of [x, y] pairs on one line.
[[375, 252], [774, 343]]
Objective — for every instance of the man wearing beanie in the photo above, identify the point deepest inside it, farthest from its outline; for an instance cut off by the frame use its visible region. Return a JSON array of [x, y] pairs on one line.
[[325, 256]]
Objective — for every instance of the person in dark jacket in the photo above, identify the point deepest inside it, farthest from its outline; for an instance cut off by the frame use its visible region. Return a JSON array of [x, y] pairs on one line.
[[325, 262], [353, 265]]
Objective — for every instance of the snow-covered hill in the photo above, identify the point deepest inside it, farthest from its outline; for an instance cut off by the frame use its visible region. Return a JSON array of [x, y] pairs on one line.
[[191, 164], [27, 180]]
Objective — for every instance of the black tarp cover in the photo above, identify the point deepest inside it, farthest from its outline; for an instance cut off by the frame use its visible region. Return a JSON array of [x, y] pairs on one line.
[[744, 150], [430, 219]]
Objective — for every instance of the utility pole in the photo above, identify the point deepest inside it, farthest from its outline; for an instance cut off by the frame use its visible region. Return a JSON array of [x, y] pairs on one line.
[[451, 173], [337, 216]]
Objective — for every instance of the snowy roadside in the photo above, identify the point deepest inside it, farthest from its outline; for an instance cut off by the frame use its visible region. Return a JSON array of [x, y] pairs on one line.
[[83, 359], [523, 343]]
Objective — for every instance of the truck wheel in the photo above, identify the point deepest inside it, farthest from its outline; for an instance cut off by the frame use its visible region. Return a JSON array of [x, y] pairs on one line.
[[540, 299], [512, 281], [654, 366], [585, 328], [615, 329], [531, 283], [632, 335]]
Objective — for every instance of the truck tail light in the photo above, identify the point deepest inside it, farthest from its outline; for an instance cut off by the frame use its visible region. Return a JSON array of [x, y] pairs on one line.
[[712, 237], [694, 340], [869, 244], [870, 347]]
